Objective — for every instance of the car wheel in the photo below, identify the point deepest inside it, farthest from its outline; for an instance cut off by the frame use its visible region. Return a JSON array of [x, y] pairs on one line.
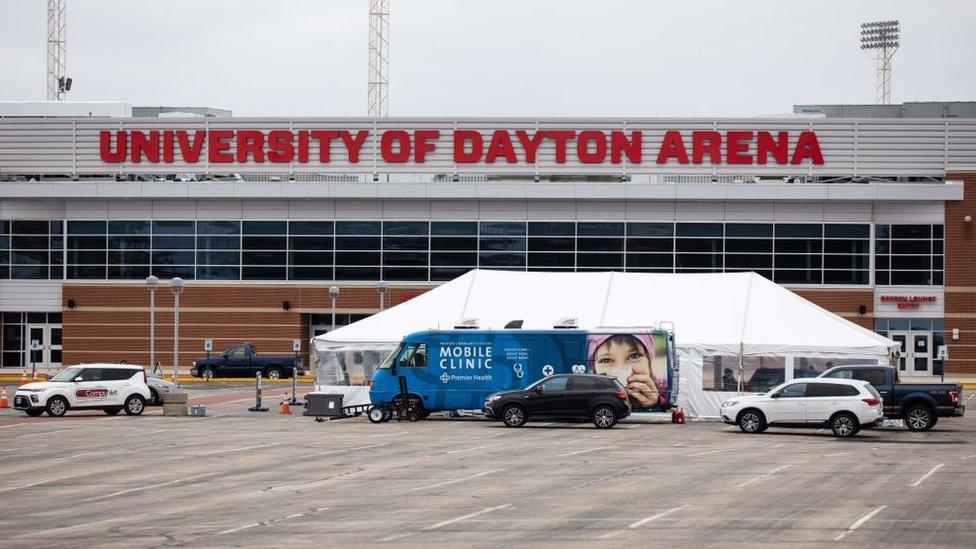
[[513, 415], [57, 406], [604, 417], [752, 421], [387, 414], [919, 418], [34, 412], [114, 410], [134, 405], [844, 425], [274, 373], [207, 373], [376, 414]]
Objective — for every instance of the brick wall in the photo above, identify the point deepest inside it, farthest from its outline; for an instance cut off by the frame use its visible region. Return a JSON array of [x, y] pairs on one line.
[[843, 302], [110, 322], [960, 278]]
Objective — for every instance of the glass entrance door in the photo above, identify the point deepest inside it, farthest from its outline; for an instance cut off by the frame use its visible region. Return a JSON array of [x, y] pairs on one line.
[[43, 346], [916, 352]]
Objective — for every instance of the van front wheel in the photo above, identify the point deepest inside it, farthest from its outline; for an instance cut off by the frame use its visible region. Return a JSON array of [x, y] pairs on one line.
[[376, 414]]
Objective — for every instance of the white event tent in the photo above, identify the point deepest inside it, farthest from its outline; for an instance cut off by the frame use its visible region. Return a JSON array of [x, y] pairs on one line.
[[735, 332]]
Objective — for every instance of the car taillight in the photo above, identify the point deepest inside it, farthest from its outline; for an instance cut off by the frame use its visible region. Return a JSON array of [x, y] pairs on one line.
[[621, 394], [871, 401], [954, 395]]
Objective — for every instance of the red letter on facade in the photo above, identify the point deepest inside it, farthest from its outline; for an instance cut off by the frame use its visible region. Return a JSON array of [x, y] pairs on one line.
[[141, 145], [500, 145], [737, 148], [386, 146], [190, 151], [303, 146], [807, 146], [599, 153], [461, 156], [325, 144], [250, 142], [105, 147], [217, 146], [280, 148], [619, 145], [531, 145], [706, 142], [168, 146], [421, 146], [561, 137], [672, 147], [779, 148], [353, 144]]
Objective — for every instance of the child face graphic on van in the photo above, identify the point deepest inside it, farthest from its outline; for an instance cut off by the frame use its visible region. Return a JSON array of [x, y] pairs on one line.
[[629, 359]]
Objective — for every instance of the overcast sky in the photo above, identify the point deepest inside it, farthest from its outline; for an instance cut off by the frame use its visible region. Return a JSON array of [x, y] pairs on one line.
[[496, 58]]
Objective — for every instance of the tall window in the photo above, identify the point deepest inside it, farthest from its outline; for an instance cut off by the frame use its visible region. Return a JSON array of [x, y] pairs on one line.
[[909, 255]]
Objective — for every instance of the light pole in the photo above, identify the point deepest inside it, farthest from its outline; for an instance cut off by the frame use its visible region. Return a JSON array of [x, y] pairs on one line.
[[176, 285], [882, 37], [382, 288], [334, 294], [152, 283]]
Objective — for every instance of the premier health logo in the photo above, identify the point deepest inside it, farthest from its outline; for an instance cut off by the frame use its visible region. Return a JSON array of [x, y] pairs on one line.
[[445, 377]]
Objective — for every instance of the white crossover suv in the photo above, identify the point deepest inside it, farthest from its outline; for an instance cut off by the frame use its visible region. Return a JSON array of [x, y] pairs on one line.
[[108, 387], [844, 405]]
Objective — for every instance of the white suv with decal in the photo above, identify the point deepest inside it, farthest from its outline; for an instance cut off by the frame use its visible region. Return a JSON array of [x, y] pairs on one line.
[[108, 387]]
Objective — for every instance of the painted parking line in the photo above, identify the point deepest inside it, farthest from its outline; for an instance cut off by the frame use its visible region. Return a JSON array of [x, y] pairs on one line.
[[39, 483], [859, 522], [588, 450], [330, 452], [469, 449], [215, 452], [927, 475], [763, 476], [149, 487], [306, 513], [447, 522], [644, 521], [970, 398], [457, 480], [710, 452], [76, 526]]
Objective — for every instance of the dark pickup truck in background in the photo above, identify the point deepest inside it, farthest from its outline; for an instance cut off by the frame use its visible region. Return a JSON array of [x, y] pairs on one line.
[[244, 361], [919, 404]]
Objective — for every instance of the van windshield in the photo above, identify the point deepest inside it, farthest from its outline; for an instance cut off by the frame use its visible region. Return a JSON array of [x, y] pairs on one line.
[[391, 357]]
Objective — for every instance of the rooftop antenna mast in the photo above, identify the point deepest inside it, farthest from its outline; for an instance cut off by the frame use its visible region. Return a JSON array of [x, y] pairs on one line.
[[57, 82], [882, 38], [379, 57]]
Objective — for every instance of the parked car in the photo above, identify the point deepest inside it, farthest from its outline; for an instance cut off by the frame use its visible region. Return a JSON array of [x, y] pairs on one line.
[[845, 406], [108, 387], [157, 388], [597, 398], [919, 404], [244, 361]]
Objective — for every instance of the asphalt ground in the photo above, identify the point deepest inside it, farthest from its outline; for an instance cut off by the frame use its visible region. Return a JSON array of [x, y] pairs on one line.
[[237, 478]]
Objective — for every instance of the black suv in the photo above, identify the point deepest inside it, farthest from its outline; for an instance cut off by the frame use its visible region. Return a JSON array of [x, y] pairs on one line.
[[597, 398]]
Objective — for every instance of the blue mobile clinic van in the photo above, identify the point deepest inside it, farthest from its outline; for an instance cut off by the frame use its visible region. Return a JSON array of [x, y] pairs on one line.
[[458, 369]]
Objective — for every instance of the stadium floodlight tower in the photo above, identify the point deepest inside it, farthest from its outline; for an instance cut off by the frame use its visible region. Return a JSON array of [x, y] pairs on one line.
[[379, 57], [882, 38], [57, 82]]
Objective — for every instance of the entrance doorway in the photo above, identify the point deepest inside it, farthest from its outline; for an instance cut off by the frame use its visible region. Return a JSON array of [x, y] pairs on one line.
[[43, 345], [916, 352]]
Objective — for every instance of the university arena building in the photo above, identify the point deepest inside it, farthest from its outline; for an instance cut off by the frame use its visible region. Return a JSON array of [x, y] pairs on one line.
[[870, 217]]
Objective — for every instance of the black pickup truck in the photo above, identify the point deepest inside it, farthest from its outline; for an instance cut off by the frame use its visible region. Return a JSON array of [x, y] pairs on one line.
[[919, 404], [244, 361]]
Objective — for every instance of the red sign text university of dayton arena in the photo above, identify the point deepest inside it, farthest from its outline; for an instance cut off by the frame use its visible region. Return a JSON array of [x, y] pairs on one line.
[[469, 146]]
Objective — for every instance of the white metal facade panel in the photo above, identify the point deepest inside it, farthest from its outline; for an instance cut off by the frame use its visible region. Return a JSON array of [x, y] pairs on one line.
[[878, 147], [30, 296]]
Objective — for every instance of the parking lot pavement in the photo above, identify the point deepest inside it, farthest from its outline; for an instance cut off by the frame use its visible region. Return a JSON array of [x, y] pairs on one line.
[[263, 479]]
